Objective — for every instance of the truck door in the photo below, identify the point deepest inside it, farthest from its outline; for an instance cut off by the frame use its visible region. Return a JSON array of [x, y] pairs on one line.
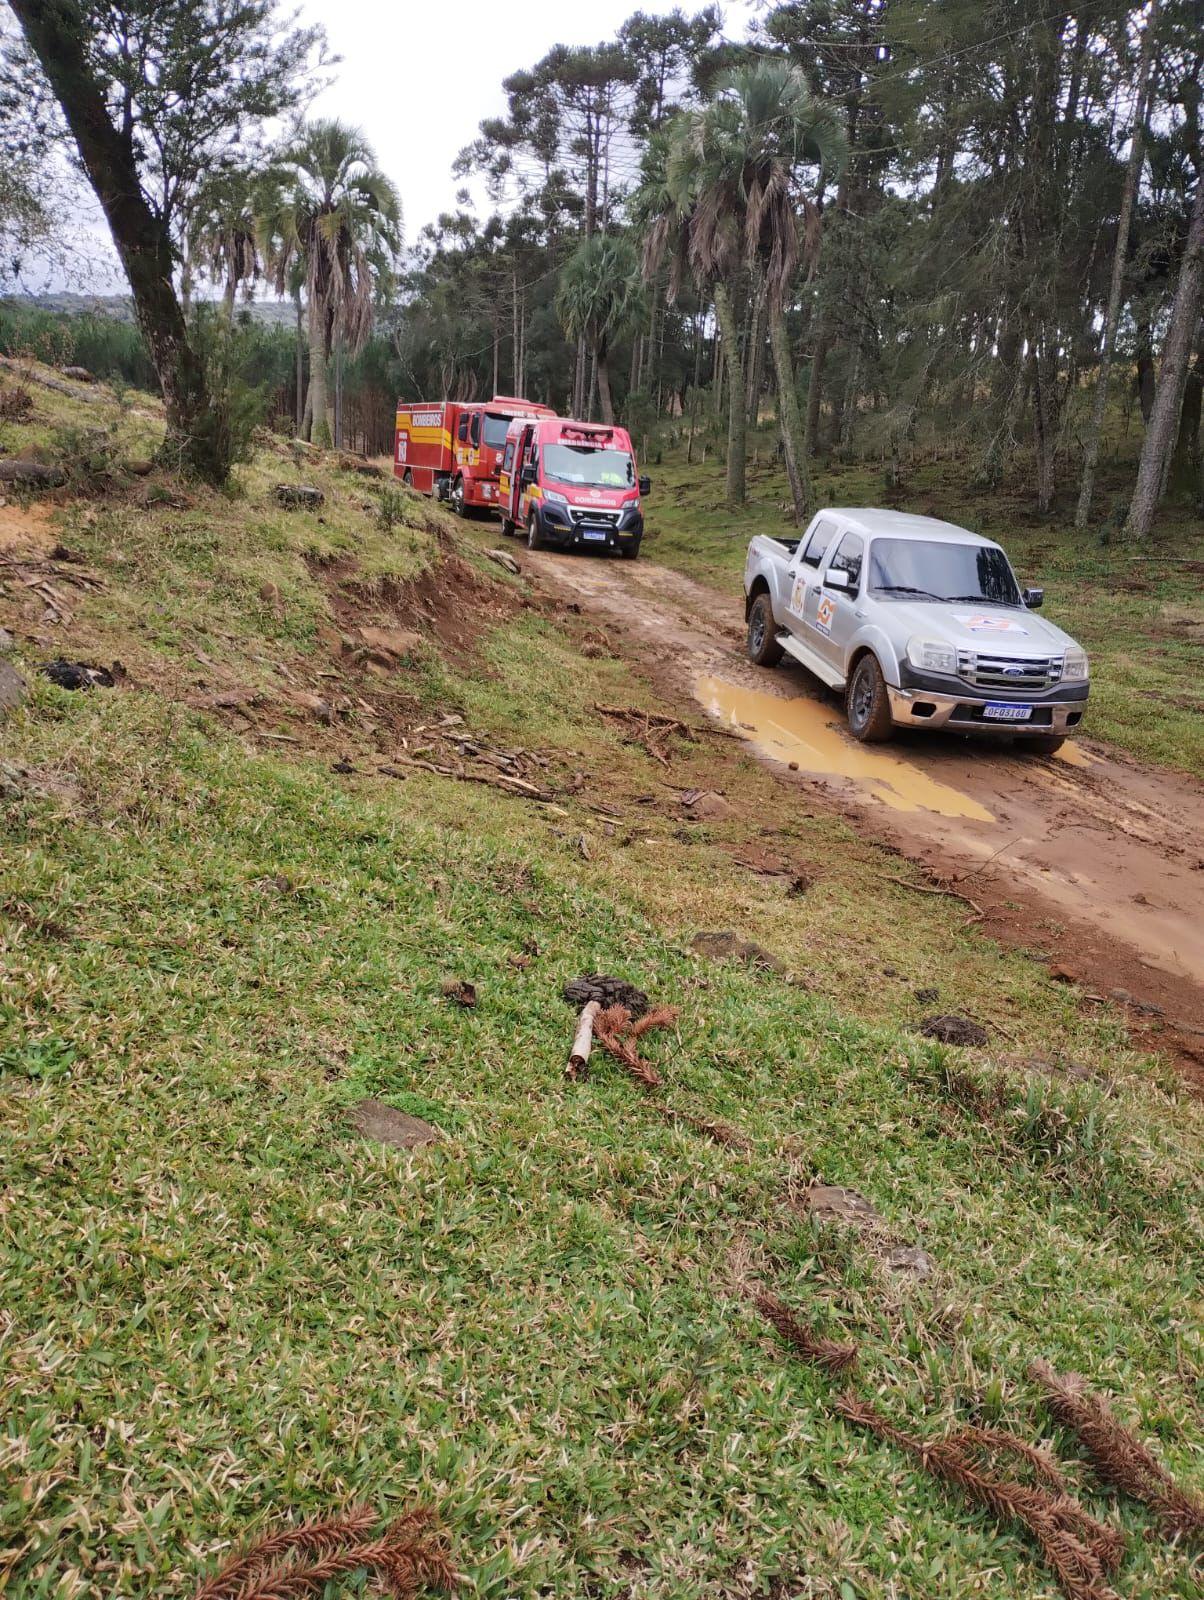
[[804, 577], [835, 616], [518, 490]]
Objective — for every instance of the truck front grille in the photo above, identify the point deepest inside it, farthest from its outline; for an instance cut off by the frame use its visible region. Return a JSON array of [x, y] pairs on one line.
[[588, 517], [1030, 675]]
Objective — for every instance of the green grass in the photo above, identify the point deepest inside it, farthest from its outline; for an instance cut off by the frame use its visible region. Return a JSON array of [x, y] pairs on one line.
[[221, 1307], [1138, 612]]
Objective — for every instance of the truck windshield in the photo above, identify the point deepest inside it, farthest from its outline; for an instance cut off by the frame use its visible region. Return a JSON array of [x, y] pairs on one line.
[[594, 469], [931, 569], [495, 430]]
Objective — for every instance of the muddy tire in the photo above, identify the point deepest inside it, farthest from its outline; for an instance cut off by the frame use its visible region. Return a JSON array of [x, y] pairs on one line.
[[534, 542], [1041, 744], [867, 704], [458, 503], [630, 551], [763, 647]]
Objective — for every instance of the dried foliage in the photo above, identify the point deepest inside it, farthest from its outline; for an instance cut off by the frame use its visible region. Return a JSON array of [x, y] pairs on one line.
[[825, 1353], [647, 728], [1118, 1455], [1080, 1550], [616, 1032], [719, 1132], [409, 1557]]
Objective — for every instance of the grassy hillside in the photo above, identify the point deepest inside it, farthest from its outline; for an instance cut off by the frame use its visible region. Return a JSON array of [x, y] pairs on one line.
[[1139, 611], [222, 926]]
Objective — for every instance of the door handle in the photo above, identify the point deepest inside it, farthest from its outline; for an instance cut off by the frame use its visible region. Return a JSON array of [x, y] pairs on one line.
[[860, 614]]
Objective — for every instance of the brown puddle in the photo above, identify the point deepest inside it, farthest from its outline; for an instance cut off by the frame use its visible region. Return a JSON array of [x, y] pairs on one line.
[[803, 731]]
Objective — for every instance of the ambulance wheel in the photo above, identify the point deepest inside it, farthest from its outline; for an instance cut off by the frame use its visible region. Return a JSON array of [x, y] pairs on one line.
[[534, 542], [630, 551], [457, 498], [407, 478]]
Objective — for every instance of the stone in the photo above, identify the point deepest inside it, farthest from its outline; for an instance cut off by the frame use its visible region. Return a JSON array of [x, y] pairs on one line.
[[13, 688], [374, 1120], [393, 643], [7, 642]]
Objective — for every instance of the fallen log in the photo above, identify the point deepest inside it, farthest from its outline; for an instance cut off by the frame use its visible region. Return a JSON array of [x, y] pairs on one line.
[[75, 390], [298, 495], [32, 472]]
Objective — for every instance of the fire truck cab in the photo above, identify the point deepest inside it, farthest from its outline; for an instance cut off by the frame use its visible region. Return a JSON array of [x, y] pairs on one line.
[[572, 484], [452, 449]]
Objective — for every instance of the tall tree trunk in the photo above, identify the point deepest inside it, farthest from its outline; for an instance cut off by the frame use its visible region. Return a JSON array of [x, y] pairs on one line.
[[604, 400], [300, 370], [196, 439], [694, 390], [1160, 434], [320, 419], [755, 359], [1095, 431], [736, 427], [789, 418], [1185, 464], [338, 394], [228, 295]]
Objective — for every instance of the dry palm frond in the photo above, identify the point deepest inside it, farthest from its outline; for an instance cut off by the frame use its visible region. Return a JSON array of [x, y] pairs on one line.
[[1118, 1455], [1080, 1550], [824, 1352]]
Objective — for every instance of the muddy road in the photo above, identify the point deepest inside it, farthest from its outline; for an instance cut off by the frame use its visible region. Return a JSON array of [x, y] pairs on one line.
[[1088, 856]]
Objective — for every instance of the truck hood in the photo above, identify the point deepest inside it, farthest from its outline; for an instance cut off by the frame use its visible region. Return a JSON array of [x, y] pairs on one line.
[[994, 630]]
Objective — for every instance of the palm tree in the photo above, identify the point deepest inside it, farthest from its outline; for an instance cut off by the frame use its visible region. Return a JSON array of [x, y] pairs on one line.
[[600, 295], [337, 213], [740, 161], [665, 208], [224, 231]]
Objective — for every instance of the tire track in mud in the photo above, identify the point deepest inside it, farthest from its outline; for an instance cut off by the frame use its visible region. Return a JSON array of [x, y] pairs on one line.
[[1094, 857]]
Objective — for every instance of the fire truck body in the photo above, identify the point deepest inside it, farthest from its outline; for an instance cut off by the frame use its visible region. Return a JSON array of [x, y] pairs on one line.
[[453, 449]]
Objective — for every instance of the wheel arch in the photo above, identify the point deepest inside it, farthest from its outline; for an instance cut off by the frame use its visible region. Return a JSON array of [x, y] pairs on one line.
[[760, 585]]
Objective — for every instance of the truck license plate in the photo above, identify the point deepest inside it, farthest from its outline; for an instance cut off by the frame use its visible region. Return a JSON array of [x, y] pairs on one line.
[[593, 533], [1000, 711]]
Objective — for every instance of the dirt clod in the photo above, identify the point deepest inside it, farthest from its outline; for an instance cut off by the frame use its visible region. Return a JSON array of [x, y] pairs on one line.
[[729, 946], [77, 675], [607, 991], [459, 991], [954, 1030], [386, 1125], [830, 1203], [928, 997]]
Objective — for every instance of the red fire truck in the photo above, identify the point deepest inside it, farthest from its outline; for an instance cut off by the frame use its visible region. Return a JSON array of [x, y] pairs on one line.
[[452, 449], [572, 484]]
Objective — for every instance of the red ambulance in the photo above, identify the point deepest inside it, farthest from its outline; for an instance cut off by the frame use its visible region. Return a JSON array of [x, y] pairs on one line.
[[572, 484], [452, 449]]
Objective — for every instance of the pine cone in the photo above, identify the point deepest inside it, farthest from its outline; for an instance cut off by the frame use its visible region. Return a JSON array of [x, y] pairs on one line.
[[606, 991]]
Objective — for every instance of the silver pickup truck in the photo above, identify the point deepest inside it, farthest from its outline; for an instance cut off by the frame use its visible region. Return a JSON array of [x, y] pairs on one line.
[[919, 623]]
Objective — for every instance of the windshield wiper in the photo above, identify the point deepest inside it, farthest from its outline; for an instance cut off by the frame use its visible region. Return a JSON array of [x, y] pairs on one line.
[[981, 599], [905, 588]]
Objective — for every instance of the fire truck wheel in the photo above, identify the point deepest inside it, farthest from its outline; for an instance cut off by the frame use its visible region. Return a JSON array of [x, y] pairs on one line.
[[457, 498], [508, 528], [407, 478], [534, 542]]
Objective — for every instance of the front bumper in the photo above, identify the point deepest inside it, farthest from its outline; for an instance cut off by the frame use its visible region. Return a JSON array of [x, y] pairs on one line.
[[557, 528], [965, 713]]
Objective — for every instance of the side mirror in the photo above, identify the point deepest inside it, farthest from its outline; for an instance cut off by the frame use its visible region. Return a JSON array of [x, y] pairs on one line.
[[836, 578], [644, 486], [527, 475], [1033, 598]]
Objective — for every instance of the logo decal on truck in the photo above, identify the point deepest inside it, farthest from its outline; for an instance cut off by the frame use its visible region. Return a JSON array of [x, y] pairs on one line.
[[982, 624], [823, 616]]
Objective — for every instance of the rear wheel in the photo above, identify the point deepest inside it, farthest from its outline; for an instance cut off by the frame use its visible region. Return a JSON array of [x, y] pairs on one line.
[[457, 498], [508, 528], [763, 647], [407, 478], [867, 703], [1041, 744]]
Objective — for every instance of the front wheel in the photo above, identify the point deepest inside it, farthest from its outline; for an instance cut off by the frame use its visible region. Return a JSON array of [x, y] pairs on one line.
[[867, 703], [631, 550], [1041, 744], [534, 542], [763, 647]]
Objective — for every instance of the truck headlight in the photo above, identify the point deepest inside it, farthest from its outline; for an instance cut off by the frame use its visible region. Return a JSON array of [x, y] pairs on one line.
[[555, 498], [1075, 668], [929, 655]]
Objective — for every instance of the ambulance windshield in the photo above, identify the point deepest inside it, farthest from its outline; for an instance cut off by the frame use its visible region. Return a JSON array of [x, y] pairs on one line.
[[591, 469], [495, 430]]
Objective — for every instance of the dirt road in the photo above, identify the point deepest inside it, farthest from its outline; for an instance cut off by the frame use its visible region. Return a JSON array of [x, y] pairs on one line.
[[1090, 856]]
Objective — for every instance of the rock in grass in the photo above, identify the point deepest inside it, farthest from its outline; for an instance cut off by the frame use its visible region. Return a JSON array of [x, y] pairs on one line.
[[300, 496], [954, 1030], [374, 1120], [13, 688]]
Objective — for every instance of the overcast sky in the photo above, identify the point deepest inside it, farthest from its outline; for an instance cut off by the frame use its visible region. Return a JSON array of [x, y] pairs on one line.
[[417, 78]]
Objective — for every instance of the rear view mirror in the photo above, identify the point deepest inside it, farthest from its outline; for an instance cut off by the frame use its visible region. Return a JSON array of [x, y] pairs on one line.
[[645, 485], [836, 578], [1033, 598]]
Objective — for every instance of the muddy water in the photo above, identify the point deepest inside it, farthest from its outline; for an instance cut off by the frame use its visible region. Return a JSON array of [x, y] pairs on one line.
[[803, 731]]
